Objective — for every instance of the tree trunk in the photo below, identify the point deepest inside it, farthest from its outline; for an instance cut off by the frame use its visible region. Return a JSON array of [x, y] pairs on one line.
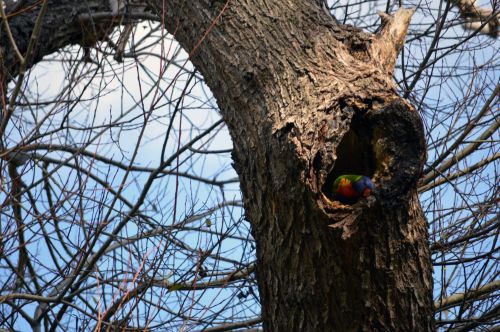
[[307, 99]]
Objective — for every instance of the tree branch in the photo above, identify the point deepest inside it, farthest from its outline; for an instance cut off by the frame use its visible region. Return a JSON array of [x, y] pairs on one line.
[[475, 17], [390, 39], [234, 326], [458, 298]]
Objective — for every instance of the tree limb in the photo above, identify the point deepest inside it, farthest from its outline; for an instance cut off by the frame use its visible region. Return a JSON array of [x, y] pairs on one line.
[[390, 38], [475, 17], [458, 298]]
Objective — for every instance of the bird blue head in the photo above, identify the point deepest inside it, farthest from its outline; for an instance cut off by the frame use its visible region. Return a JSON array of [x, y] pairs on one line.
[[364, 186]]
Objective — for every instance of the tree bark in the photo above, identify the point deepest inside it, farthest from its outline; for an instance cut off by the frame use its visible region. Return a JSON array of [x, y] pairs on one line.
[[307, 99]]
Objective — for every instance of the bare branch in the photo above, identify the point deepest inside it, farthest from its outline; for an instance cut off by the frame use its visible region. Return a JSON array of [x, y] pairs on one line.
[[234, 326], [476, 17], [389, 41], [471, 295]]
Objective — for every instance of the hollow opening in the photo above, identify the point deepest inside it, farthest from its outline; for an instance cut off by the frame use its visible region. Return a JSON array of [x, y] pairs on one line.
[[354, 154]]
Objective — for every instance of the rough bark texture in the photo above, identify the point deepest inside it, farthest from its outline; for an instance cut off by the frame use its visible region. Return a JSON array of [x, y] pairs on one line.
[[305, 100]]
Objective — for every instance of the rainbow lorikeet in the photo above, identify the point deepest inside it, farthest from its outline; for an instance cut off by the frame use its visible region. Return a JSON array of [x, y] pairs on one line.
[[347, 189]]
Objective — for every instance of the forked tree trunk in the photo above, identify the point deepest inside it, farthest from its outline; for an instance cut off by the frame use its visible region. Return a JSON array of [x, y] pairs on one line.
[[307, 99]]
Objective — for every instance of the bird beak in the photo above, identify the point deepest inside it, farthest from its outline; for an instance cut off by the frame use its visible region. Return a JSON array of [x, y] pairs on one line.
[[367, 192]]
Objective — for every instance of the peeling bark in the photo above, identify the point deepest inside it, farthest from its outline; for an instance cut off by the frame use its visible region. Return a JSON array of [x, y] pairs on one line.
[[305, 100]]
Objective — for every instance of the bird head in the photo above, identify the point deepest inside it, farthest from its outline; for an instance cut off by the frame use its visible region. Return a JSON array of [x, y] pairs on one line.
[[364, 186]]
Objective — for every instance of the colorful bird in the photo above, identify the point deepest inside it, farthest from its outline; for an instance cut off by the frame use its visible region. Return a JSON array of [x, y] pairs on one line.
[[347, 189]]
